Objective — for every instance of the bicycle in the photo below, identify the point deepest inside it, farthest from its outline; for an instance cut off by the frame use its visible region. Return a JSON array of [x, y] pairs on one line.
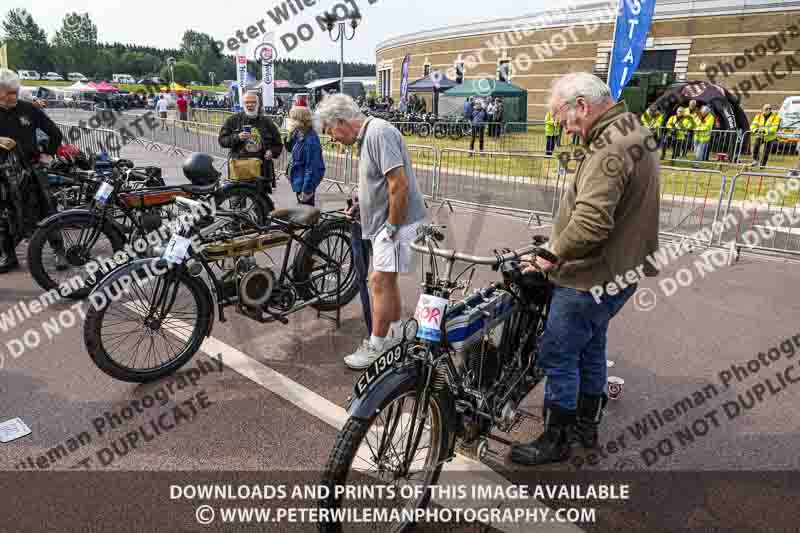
[[461, 371], [173, 311]]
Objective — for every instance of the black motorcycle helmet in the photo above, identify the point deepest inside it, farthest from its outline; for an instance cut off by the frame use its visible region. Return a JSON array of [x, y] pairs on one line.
[[199, 169]]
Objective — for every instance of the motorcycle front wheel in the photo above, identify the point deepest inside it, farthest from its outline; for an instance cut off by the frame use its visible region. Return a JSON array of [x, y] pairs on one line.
[[372, 451], [142, 327]]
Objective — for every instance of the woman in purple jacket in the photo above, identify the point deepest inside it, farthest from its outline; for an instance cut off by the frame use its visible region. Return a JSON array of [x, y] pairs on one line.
[[308, 167]]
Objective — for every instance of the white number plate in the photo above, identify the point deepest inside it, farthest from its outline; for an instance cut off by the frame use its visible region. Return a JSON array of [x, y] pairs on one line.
[[177, 249], [102, 194], [429, 315]]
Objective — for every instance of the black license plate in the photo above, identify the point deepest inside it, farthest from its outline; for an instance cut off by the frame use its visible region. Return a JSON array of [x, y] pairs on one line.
[[382, 365]]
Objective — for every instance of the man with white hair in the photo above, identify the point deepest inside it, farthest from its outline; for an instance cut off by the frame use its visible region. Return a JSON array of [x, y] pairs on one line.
[[392, 209], [607, 224], [19, 121], [251, 134]]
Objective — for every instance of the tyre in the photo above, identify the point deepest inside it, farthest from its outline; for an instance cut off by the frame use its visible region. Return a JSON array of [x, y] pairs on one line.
[[440, 131], [162, 337], [424, 130], [82, 238], [247, 200], [314, 275], [381, 442], [407, 129]]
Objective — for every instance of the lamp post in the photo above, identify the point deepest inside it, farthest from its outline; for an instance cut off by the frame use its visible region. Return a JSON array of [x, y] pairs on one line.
[[171, 64], [211, 75], [341, 34]]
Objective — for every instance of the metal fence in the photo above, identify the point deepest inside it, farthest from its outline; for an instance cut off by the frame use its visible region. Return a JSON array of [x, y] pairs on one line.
[[691, 200], [766, 207], [517, 183], [92, 141]]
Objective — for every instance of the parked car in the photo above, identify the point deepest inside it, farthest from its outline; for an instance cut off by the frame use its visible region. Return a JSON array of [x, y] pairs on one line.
[[789, 134], [53, 76], [122, 78], [77, 76], [28, 75]]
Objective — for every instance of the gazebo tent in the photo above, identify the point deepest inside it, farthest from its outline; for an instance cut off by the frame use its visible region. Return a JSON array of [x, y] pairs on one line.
[[515, 99], [175, 88], [79, 87], [434, 83], [106, 87]]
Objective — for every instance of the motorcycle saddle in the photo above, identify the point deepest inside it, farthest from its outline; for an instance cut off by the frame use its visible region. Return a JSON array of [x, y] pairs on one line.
[[305, 215]]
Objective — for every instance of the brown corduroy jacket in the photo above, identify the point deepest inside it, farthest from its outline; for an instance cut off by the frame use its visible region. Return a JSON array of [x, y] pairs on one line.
[[608, 218]]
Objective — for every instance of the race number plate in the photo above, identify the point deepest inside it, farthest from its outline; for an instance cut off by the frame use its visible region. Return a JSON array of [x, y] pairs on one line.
[[102, 194], [382, 365], [177, 249], [429, 314]]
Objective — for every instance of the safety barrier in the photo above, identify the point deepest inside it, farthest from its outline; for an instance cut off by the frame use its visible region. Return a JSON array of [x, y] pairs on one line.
[[92, 141], [691, 201], [783, 151], [515, 183], [766, 208]]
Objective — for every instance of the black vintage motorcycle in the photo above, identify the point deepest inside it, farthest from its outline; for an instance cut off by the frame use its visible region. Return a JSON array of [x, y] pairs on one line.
[[150, 317], [460, 373]]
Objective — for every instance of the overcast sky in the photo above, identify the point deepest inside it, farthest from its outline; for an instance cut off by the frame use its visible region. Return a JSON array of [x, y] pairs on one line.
[[162, 23]]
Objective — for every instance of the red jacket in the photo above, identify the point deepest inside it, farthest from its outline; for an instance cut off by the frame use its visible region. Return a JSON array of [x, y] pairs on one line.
[[182, 104]]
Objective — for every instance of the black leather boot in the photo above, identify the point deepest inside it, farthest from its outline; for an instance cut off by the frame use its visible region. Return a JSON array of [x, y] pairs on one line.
[[552, 446], [8, 251], [590, 413]]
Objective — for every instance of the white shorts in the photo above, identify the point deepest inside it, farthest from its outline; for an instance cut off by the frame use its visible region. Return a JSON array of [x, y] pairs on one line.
[[393, 255]]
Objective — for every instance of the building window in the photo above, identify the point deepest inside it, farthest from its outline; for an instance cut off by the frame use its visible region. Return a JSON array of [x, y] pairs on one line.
[[385, 82], [460, 72], [654, 60], [504, 71], [426, 69]]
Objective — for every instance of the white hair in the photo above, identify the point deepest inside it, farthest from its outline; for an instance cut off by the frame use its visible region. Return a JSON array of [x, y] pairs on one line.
[[589, 86], [9, 79], [338, 107], [705, 109]]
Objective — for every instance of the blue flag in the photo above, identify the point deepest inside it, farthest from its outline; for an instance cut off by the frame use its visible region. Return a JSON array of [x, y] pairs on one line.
[[630, 38]]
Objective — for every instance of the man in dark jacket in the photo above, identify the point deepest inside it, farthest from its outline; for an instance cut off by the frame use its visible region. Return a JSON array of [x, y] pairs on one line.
[[250, 134], [19, 121], [606, 227], [479, 118]]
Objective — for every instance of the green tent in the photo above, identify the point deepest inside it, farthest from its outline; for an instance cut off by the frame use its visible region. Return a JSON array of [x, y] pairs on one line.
[[514, 98]]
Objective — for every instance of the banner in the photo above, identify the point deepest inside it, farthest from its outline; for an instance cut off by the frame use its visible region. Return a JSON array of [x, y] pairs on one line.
[[241, 79], [266, 53], [404, 83], [630, 37]]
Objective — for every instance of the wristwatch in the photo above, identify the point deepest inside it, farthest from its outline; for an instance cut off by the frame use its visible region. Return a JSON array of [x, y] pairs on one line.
[[391, 229]]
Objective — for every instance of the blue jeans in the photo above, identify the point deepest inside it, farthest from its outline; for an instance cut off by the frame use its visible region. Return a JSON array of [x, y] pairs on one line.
[[360, 249], [701, 151], [572, 349]]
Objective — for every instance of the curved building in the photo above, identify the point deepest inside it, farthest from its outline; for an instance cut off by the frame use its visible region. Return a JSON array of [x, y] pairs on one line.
[[749, 46]]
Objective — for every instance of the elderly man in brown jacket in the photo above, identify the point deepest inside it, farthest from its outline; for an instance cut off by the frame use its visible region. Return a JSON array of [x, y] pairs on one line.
[[606, 226]]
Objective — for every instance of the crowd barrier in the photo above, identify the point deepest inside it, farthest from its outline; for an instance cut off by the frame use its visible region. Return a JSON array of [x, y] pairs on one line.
[[765, 206], [92, 141], [526, 184]]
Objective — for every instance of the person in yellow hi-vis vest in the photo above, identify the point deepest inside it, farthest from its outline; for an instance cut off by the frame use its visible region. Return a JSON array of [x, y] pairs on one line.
[[653, 119], [764, 130], [684, 125], [669, 134], [552, 130], [703, 126]]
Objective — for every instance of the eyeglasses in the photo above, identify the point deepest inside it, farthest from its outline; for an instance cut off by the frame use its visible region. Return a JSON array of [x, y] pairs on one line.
[[571, 101]]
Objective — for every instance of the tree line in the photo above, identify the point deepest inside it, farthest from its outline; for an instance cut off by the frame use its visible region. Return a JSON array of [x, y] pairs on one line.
[[74, 48]]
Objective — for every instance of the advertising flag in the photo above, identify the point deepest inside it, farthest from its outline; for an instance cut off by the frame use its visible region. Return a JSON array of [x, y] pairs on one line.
[[404, 82], [630, 38], [267, 53]]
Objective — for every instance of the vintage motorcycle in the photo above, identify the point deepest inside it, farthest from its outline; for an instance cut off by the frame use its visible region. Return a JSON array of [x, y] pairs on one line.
[[144, 330], [460, 373]]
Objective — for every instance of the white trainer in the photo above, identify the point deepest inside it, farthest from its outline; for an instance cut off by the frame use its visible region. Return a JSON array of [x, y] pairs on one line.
[[364, 356]]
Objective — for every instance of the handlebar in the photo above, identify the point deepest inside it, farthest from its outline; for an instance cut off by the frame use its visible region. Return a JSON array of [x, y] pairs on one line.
[[424, 232]]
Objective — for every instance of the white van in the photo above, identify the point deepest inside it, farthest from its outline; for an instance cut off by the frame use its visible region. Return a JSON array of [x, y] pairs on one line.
[[789, 134], [28, 75], [122, 78], [76, 76], [53, 76]]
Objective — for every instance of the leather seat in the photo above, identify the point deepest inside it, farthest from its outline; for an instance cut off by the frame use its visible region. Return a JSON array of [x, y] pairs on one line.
[[199, 189], [302, 214]]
